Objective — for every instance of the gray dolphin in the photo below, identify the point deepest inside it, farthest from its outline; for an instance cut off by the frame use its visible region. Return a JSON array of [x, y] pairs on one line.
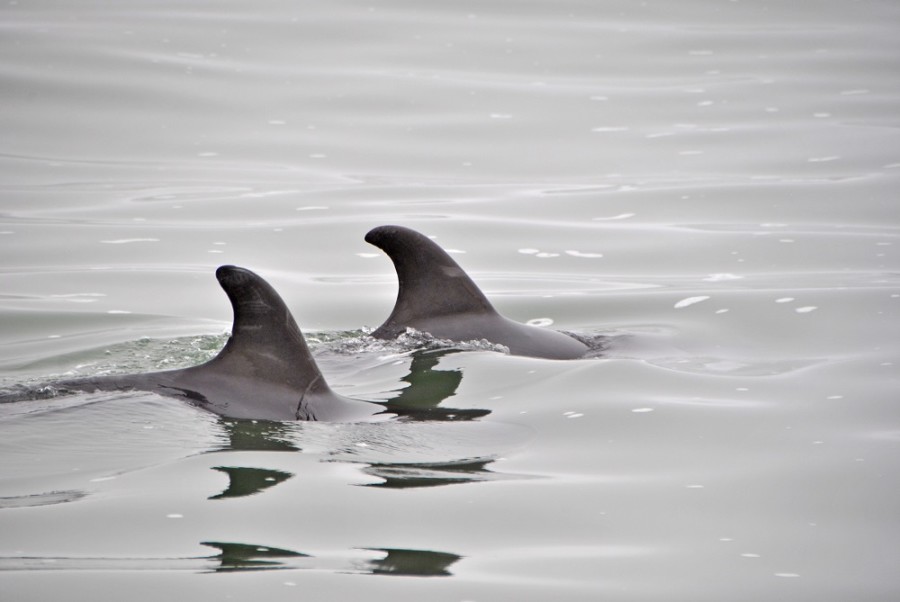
[[264, 372], [436, 296]]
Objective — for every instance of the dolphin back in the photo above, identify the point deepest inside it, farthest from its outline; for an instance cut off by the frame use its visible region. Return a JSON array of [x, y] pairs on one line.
[[438, 297]]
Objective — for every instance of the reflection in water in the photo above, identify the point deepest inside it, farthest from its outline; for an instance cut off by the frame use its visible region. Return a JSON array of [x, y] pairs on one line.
[[420, 400], [408, 476], [428, 388], [248, 481], [412, 563], [231, 557], [238, 557], [245, 557], [257, 435]]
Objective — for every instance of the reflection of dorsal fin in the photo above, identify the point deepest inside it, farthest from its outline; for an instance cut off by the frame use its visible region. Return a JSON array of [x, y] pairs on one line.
[[265, 342], [431, 283]]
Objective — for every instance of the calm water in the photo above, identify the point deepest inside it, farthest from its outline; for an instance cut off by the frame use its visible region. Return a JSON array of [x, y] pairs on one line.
[[711, 184]]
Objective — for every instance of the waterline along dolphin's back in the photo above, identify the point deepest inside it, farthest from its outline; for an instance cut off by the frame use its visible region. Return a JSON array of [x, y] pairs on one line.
[[436, 296], [264, 372]]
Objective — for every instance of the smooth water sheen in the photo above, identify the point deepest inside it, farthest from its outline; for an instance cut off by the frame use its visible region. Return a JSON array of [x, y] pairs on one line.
[[711, 184]]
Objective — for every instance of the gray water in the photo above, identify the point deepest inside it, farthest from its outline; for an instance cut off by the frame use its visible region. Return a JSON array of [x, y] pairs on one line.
[[712, 185]]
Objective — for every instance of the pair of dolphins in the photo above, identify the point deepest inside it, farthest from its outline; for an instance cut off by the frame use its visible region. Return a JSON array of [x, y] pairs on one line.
[[266, 371]]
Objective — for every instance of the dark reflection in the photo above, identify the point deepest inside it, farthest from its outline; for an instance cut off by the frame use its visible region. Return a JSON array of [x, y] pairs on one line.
[[409, 476], [258, 435], [244, 557], [234, 557], [412, 563], [248, 481], [428, 388], [41, 499]]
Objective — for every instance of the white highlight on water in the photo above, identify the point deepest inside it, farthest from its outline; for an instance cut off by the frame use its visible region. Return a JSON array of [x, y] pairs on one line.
[[614, 217], [724, 277], [691, 301]]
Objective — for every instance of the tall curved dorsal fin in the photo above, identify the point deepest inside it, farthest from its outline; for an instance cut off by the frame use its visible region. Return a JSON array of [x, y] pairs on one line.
[[431, 283], [265, 342]]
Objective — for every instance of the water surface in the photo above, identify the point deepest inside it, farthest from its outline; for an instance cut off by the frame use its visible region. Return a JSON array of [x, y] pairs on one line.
[[712, 185]]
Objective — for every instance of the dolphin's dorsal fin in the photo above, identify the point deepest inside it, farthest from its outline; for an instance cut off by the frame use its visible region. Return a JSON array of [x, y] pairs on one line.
[[266, 343], [431, 283]]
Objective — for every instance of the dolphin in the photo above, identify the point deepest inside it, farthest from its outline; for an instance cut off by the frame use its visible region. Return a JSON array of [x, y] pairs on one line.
[[264, 372], [436, 296]]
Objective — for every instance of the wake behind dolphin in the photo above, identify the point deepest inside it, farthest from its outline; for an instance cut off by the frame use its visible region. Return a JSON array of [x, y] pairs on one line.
[[436, 296], [264, 372]]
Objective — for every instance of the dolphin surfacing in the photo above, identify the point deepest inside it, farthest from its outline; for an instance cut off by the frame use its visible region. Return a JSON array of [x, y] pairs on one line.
[[436, 296], [264, 372]]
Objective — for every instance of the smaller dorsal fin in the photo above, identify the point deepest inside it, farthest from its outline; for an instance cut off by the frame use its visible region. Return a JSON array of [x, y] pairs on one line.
[[265, 342], [431, 283]]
